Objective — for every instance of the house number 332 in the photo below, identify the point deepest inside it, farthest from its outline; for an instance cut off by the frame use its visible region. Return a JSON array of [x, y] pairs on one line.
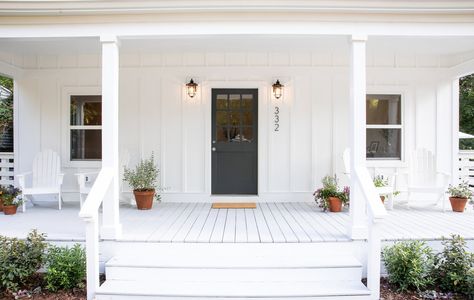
[[276, 118]]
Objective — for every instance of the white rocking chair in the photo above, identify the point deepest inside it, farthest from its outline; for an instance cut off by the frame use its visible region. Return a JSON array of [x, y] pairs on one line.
[[387, 191], [423, 177], [46, 177]]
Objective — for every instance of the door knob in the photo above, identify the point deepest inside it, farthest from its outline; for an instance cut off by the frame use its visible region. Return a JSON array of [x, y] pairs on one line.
[[213, 148]]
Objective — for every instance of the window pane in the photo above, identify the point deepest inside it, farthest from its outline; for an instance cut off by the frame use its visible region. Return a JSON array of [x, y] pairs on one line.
[[86, 110], [384, 143], [383, 109], [247, 118], [221, 118], [221, 102], [247, 101], [86, 144], [221, 134], [234, 117], [234, 134], [247, 134], [234, 102]]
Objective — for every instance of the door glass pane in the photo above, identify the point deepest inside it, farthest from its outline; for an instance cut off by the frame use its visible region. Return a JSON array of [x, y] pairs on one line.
[[222, 118], [383, 109], [247, 101], [247, 134], [234, 134], [247, 117], [234, 102], [384, 143], [86, 110], [221, 102], [86, 144], [234, 117], [221, 134]]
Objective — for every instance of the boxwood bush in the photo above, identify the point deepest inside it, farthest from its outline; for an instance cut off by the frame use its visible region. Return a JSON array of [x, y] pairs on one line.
[[453, 266], [20, 259], [409, 265], [65, 268]]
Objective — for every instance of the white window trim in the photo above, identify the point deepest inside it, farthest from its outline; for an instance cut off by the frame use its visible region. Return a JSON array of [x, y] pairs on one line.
[[67, 92], [382, 162]]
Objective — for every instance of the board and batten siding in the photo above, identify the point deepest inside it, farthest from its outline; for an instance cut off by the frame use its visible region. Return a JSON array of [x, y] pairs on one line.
[[157, 116]]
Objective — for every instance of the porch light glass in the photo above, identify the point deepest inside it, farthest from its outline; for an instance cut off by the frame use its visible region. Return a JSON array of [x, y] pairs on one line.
[[277, 89], [191, 88]]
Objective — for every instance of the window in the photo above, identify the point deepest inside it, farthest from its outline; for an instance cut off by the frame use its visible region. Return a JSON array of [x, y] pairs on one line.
[[85, 127], [384, 127]]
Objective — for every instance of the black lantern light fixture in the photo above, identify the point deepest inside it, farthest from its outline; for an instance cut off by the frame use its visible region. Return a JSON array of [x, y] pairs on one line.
[[191, 88], [277, 89]]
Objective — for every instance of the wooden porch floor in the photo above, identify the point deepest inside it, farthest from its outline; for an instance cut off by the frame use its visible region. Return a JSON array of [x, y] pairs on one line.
[[270, 222]]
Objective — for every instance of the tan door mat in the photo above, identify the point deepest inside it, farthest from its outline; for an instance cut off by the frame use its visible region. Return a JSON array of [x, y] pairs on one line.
[[234, 205]]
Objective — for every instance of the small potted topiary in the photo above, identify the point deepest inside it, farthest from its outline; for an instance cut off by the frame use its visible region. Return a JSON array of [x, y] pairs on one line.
[[330, 196], [459, 195], [11, 198], [379, 181], [143, 181]]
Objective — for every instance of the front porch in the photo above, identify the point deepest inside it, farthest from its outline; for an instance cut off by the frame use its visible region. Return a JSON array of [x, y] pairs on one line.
[[285, 222]]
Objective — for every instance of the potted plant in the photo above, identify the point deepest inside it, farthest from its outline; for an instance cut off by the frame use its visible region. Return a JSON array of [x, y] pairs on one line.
[[143, 181], [11, 198], [379, 181], [330, 196], [458, 196]]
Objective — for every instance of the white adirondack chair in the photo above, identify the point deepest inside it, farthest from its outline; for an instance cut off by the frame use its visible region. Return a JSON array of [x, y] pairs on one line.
[[386, 191], [423, 177], [45, 178]]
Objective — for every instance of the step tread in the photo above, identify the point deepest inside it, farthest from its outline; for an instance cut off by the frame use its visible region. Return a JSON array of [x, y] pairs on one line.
[[250, 260], [233, 289]]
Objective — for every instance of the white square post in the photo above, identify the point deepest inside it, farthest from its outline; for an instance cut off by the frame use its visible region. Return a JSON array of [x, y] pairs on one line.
[[111, 227], [358, 224]]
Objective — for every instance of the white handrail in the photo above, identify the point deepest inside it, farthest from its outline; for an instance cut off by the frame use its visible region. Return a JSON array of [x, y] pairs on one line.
[[376, 213], [90, 213]]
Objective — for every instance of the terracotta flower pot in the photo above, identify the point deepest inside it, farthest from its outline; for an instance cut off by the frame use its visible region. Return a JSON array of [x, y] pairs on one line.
[[383, 199], [458, 204], [335, 204], [9, 209], [144, 199]]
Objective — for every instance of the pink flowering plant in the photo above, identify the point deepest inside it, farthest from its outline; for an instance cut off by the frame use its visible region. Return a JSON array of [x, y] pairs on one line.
[[331, 189]]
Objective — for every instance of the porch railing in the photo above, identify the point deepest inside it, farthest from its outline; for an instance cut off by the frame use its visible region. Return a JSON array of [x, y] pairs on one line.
[[7, 171], [466, 166], [376, 213], [90, 213]]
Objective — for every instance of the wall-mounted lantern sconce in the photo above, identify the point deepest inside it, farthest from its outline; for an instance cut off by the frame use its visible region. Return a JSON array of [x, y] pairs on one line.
[[277, 89], [191, 88]]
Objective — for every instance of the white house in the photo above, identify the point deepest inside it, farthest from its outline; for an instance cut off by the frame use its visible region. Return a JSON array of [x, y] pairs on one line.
[[378, 77]]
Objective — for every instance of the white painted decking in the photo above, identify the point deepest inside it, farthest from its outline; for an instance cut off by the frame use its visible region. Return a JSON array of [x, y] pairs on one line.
[[270, 222]]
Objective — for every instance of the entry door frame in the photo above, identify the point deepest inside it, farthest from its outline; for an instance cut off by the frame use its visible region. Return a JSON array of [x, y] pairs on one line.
[[262, 165]]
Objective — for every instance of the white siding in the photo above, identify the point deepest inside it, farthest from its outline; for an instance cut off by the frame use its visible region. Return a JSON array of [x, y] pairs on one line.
[[156, 115]]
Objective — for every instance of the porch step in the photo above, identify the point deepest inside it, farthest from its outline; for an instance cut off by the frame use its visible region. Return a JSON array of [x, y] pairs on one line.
[[159, 289], [241, 272], [251, 267]]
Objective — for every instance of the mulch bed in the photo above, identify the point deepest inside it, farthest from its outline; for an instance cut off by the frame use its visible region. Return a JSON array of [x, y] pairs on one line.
[[35, 290], [387, 292]]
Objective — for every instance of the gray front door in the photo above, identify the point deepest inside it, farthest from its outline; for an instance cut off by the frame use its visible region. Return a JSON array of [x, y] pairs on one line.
[[234, 141]]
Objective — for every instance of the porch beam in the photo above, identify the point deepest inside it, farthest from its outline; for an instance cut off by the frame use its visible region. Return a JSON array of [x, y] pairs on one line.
[[358, 224], [111, 227]]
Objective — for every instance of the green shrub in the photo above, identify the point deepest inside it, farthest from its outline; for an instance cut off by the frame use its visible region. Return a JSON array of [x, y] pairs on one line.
[[470, 283], [20, 259], [453, 265], [65, 268], [408, 265]]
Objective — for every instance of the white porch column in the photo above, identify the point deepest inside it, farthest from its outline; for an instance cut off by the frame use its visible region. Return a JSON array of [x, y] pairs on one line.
[[111, 227], [358, 224]]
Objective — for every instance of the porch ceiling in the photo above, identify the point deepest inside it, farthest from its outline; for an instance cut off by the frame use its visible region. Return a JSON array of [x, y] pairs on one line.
[[302, 43]]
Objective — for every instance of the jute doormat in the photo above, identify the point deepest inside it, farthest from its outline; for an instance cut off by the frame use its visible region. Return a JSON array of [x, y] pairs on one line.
[[218, 205]]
